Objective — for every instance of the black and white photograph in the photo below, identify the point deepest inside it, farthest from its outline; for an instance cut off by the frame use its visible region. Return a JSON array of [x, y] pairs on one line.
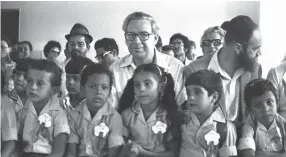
[[143, 78]]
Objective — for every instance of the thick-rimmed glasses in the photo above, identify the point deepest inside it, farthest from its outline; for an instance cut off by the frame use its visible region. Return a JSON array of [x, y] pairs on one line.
[[143, 36], [216, 42]]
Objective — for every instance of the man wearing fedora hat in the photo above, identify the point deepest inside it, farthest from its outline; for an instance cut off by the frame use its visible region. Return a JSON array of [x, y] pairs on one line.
[[78, 40], [78, 44]]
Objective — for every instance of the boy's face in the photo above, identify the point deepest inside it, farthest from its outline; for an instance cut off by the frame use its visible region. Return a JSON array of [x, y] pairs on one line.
[[264, 108], [198, 99], [39, 86], [20, 81], [73, 83], [97, 90]]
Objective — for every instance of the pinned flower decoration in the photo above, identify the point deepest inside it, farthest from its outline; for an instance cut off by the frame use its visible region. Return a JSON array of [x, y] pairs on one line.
[[212, 136], [159, 127], [46, 120], [101, 128]]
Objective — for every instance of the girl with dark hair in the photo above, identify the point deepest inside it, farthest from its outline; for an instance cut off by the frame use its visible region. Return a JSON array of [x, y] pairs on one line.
[[149, 113]]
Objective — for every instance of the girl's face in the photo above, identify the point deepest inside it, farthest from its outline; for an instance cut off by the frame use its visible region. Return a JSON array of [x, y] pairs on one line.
[[24, 51], [146, 88], [264, 108], [199, 100], [97, 90]]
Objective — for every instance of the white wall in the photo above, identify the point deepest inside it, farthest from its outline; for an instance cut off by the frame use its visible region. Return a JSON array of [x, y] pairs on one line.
[[273, 32], [43, 21]]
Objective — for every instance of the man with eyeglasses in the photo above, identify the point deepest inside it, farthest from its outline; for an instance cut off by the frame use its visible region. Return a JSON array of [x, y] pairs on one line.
[[237, 64], [78, 44], [180, 45], [141, 36], [106, 51], [212, 40], [78, 40]]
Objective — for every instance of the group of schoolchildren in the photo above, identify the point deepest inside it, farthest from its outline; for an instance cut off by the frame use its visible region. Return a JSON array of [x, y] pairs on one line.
[[38, 121]]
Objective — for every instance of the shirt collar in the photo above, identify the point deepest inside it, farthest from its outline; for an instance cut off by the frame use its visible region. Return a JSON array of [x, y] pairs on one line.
[[160, 59], [136, 108], [53, 104], [105, 110], [217, 115], [214, 65]]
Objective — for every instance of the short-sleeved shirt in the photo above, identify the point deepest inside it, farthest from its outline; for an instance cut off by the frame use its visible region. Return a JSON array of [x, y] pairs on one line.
[[265, 141], [83, 130], [9, 130], [123, 70], [12, 98], [137, 129], [39, 139], [193, 135]]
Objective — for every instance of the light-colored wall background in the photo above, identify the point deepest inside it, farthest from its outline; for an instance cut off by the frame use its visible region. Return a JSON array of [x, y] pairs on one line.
[[43, 21]]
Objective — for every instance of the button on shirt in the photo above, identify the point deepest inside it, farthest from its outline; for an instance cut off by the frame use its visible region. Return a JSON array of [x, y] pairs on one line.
[[123, 70], [231, 88], [265, 141], [193, 136], [83, 130], [39, 139], [137, 129]]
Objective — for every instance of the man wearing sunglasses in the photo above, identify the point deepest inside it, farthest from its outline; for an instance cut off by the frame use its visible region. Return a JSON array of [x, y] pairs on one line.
[[141, 36], [236, 63], [106, 51]]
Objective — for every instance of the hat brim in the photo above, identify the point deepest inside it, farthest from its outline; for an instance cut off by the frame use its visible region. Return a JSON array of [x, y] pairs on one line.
[[86, 35]]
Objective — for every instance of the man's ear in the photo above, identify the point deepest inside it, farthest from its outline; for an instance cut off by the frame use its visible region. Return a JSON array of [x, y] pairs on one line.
[[156, 38], [238, 48]]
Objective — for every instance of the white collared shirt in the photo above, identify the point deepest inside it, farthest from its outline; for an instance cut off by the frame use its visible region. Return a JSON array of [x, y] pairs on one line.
[[193, 135], [123, 70], [231, 88]]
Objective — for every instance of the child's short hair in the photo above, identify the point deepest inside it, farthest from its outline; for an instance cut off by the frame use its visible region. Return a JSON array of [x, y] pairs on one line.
[[258, 87], [97, 68], [207, 79], [23, 64], [50, 67], [76, 64]]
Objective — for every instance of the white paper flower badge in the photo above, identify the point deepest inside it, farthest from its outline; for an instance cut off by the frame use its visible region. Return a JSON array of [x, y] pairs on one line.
[[101, 128], [46, 120], [159, 127], [212, 136]]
